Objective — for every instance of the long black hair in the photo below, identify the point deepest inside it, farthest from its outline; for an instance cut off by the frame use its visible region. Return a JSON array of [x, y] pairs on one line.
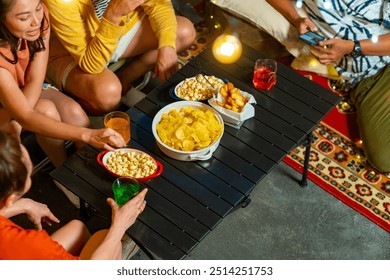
[[7, 39]]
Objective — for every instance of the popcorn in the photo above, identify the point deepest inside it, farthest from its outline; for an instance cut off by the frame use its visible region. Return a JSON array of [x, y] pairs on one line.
[[197, 88], [133, 164]]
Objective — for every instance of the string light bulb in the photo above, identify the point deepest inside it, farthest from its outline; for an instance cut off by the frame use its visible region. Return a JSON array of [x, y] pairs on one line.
[[299, 4], [227, 48]]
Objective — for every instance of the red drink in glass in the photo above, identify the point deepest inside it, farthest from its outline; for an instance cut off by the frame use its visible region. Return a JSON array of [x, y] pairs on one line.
[[264, 78], [264, 74]]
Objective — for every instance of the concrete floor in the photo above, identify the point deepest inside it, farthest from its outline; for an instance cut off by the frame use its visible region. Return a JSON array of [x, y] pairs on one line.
[[285, 221]]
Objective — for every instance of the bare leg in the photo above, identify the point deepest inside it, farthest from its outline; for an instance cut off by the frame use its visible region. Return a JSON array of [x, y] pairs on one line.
[[94, 242], [53, 148], [69, 110], [144, 46], [101, 91], [72, 236]]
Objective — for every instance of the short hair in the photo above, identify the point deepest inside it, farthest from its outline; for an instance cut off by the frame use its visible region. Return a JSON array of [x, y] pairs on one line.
[[13, 171]]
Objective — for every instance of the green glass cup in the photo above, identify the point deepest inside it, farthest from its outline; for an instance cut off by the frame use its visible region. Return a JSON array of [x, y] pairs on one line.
[[124, 189]]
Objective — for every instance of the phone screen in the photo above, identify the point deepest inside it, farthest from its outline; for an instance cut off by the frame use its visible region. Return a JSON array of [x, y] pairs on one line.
[[311, 38]]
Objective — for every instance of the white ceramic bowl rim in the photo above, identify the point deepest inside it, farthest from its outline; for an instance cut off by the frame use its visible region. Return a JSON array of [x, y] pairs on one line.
[[178, 105], [192, 78]]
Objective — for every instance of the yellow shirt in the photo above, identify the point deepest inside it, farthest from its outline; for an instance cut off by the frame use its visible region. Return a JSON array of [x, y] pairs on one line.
[[92, 42]]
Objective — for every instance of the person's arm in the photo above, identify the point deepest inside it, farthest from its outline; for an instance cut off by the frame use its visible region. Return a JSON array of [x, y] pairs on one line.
[[163, 21], [287, 9], [340, 48], [35, 211], [122, 218], [14, 101], [37, 68]]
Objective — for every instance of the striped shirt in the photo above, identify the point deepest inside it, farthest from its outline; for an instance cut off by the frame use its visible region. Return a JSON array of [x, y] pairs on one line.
[[100, 7], [353, 20]]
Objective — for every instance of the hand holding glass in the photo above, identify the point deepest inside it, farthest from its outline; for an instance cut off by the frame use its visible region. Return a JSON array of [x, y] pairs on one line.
[[124, 189], [120, 122], [264, 74]]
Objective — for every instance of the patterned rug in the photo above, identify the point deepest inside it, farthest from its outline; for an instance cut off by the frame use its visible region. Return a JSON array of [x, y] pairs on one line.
[[338, 164], [337, 161]]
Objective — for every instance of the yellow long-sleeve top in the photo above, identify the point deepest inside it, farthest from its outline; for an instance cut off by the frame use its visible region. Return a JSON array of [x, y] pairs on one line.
[[92, 42]]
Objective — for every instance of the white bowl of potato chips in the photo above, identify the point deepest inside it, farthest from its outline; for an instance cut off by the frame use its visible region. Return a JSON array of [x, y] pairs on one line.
[[130, 163], [198, 88], [188, 130]]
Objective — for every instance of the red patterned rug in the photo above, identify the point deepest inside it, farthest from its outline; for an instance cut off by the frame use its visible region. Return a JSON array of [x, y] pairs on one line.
[[338, 164]]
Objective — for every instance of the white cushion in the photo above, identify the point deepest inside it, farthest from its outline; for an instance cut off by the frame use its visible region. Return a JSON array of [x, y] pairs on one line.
[[262, 15]]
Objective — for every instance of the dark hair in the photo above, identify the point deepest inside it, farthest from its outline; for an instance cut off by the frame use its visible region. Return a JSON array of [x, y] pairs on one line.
[[13, 171], [7, 39]]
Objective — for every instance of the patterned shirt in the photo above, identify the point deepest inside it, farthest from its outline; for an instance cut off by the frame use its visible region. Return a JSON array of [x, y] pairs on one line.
[[100, 7], [353, 20]]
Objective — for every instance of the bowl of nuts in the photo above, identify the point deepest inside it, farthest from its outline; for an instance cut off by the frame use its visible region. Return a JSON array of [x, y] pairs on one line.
[[130, 163], [198, 88]]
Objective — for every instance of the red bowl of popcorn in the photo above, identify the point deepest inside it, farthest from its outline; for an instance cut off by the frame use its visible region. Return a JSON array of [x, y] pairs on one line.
[[130, 162]]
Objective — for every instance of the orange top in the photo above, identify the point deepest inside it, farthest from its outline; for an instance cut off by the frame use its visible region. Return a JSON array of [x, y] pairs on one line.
[[17, 243]]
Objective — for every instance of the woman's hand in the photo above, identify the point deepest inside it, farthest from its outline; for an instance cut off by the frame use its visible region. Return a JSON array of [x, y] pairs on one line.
[[167, 63], [332, 50], [123, 217], [38, 213], [100, 138]]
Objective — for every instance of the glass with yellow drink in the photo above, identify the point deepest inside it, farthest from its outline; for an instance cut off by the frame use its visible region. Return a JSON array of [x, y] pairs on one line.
[[120, 122]]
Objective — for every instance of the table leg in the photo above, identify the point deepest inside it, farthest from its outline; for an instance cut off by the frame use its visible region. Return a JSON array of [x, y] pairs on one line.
[[242, 204], [84, 213], [307, 144]]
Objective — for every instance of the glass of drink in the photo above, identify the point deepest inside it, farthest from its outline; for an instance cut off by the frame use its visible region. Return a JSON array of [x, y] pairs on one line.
[[124, 189], [264, 74], [120, 122]]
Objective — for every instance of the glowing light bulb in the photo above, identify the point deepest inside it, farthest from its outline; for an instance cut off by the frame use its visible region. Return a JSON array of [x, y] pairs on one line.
[[374, 39], [227, 49]]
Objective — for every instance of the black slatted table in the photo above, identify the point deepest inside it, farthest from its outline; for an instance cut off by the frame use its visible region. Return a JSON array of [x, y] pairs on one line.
[[190, 198]]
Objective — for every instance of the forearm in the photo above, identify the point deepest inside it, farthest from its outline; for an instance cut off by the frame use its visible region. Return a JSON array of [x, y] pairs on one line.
[[41, 124], [287, 9], [380, 48], [106, 250], [163, 21], [17, 208]]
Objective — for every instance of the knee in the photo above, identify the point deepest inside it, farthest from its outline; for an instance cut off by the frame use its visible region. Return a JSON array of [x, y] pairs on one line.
[[186, 33], [75, 114], [47, 108], [105, 95]]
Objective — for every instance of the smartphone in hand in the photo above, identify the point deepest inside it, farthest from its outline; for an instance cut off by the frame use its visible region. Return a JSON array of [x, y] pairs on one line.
[[311, 38]]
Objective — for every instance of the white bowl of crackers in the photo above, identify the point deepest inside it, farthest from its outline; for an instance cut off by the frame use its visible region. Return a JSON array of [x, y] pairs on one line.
[[233, 104], [188, 130], [198, 88], [130, 163]]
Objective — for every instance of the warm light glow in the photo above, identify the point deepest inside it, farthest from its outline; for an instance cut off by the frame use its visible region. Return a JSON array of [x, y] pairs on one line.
[[374, 39], [227, 49]]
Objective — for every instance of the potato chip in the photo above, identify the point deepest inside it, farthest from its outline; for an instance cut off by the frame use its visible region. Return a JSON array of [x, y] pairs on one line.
[[189, 129]]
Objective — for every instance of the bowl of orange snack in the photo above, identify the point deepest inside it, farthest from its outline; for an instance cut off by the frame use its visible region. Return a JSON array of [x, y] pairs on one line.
[[188, 130], [233, 104]]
